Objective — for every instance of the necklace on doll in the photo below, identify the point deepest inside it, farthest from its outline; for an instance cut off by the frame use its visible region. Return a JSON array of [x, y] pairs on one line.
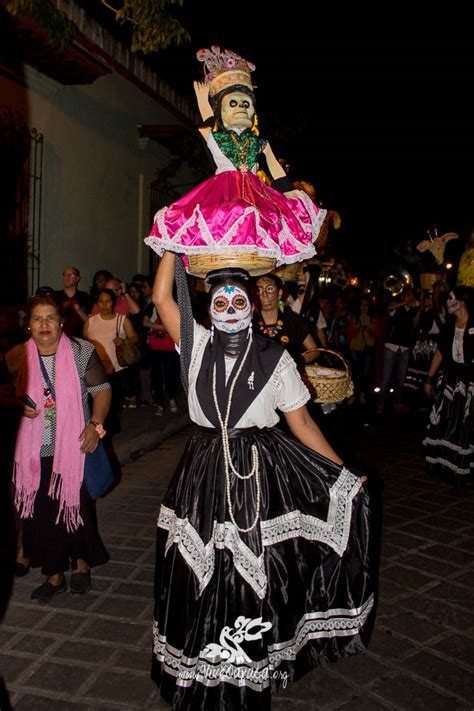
[[242, 151]]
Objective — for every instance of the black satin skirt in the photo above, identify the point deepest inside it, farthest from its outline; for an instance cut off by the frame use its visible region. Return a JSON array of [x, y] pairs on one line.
[[240, 614]]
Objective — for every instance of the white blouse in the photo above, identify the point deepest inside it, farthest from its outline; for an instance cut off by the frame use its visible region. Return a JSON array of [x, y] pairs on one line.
[[284, 390]]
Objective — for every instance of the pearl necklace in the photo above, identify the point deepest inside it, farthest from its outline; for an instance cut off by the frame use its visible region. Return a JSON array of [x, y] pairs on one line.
[[228, 465]]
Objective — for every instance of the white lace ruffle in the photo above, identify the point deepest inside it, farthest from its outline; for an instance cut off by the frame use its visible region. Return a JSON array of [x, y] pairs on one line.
[[200, 557], [257, 675], [334, 532], [268, 248]]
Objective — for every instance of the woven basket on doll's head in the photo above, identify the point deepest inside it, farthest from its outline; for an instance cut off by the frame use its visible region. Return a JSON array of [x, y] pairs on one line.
[[328, 385], [200, 264]]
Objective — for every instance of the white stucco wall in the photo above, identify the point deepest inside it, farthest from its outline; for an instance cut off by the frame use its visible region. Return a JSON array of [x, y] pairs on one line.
[[95, 173]]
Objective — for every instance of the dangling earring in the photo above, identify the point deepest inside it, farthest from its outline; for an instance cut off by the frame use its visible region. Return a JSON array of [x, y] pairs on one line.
[[212, 333], [254, 128], [215, 128], [250, 333]]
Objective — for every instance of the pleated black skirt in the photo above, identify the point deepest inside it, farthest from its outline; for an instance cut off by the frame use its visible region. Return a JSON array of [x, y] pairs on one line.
[[449, 442], [49, 545], [238, 615]]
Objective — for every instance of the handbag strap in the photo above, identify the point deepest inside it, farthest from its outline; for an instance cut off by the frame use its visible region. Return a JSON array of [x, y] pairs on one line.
[[46, 377], [118, 325]]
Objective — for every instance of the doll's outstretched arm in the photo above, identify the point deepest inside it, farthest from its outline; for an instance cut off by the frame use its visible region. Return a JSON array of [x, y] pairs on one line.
[[202, 95], [281, 182], [275, 168]]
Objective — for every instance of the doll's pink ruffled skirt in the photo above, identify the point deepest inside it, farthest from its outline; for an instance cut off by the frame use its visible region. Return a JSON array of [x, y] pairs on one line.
[[235, 212]]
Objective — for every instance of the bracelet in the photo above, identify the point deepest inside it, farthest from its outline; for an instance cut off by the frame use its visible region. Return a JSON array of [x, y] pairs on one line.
[[98, 428], [429, 380]]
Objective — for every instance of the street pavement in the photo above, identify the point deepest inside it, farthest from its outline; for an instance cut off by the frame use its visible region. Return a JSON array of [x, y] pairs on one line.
[[92, 651]]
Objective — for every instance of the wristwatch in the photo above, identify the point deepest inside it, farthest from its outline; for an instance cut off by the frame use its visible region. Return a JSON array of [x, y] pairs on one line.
[[98, 428]]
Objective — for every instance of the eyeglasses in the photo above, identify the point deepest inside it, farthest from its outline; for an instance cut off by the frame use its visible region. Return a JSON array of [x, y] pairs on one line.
[[48, 319]]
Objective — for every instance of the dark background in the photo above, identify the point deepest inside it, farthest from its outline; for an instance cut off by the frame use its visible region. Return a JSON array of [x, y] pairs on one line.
[[370, 105]]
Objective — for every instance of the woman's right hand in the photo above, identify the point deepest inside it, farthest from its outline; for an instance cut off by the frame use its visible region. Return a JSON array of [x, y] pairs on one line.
[[429, 389], [30, 412]]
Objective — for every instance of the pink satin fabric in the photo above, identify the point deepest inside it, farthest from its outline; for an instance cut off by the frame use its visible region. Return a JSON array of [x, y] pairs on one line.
[[234, 212]]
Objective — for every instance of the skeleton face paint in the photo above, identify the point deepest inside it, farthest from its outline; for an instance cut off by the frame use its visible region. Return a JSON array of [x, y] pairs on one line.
[[452, 303], [230, 310]]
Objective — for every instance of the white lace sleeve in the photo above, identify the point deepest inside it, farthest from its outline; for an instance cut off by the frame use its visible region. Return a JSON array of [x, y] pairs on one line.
[[291, 393]]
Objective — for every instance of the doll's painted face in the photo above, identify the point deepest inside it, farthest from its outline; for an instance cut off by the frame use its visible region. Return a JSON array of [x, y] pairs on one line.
[[230, 310], [237, 110]]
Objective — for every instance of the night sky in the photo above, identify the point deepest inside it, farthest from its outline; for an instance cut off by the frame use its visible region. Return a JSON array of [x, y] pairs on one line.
[[377, 118]]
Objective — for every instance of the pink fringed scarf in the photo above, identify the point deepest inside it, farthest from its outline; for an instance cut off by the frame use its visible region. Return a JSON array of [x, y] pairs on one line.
[[68, 460]]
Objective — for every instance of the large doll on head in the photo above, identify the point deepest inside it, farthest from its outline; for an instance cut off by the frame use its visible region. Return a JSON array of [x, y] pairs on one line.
[[235, 211]]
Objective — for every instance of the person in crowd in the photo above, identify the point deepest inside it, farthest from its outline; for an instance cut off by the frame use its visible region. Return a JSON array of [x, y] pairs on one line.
[[76, 304], [432, 319], [306, 303], [164, 362], [404, 318], [449, 442], [272, 319], [55, 381], [338, 338], [361, 330], [134, 386], [99, 280], [105, 330], [145, 284], [124, 304], [232, 583]]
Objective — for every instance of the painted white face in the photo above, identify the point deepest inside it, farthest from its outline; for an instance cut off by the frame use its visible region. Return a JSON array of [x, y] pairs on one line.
[[452, 303], [231, 310], [237, 110]]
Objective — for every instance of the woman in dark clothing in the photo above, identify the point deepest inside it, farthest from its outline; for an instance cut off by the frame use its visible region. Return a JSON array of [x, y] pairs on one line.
[[262, 568], [449, 443]]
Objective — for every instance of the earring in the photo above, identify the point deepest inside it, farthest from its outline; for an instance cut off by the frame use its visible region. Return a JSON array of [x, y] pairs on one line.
[[212, 333], [215, 128], [28, 328], [254, 128], [250, 333]]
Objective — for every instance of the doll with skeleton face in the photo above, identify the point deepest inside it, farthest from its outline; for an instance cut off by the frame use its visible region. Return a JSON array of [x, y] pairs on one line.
[[235, 212]]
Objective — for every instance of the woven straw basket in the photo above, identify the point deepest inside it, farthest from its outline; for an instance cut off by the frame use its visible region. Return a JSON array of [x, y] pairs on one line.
[[329, 384], [200, 264]]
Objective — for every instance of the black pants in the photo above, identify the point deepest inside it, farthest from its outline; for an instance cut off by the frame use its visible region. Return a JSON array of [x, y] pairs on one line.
[[164, 375]]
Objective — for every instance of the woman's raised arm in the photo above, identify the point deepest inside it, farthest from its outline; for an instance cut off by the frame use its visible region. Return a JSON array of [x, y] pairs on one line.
[[162, 297]]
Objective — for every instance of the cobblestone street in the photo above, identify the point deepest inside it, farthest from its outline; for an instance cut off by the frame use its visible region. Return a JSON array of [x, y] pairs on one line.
[[93, 651]]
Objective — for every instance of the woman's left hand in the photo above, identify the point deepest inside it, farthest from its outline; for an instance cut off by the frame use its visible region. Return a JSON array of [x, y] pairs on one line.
[[90, 439]]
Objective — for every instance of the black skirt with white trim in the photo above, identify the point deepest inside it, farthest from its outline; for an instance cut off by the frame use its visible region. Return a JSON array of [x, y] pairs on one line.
[[238, 615]]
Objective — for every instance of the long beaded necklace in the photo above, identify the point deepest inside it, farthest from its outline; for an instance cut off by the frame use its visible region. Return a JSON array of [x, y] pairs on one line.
[[228, 465], [242, 151]]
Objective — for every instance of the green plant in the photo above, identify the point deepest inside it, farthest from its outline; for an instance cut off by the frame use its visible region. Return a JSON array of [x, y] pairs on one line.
[[59, 29]]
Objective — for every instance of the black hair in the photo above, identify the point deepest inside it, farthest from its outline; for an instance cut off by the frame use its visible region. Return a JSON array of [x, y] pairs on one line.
[[466, 294], [44, 291], [229, 275], [110, 292]]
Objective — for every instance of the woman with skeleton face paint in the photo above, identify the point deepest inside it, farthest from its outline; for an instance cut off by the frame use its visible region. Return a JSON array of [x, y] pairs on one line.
[[449, 443], [235, 211], [262, 565]]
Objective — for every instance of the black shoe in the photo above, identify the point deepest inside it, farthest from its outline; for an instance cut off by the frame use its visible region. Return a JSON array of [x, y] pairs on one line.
[[80, 583], [21, 569], [47, 591]]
